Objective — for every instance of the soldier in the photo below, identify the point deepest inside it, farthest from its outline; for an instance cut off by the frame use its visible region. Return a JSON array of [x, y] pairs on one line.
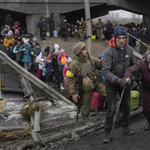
[[84, 64], [100, 29], [81, 25]]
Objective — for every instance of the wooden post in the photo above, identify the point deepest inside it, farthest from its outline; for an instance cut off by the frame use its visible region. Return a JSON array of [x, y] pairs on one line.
[[35, 120], [88, 26]]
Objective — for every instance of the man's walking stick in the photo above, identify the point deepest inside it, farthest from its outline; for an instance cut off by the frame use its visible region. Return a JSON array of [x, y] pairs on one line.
[[116, 114]]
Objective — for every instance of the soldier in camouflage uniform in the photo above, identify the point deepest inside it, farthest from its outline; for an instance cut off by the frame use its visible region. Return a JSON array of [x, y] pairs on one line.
[[100, 29], [83, 64], [81, 25]]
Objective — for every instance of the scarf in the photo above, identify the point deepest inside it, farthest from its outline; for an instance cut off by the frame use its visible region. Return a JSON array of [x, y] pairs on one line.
[[81, 59]]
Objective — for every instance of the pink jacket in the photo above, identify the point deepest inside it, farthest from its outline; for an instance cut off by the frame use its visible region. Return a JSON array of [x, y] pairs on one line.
[[65, 70]]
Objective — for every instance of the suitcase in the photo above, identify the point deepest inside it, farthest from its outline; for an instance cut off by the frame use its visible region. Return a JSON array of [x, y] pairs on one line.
[[97, 101]]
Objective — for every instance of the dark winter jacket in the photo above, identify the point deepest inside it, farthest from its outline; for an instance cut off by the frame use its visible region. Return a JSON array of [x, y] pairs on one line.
[[109, 27], [18, 40], [48, 67], [51, 22], [55, 65], [9, 21], [64, 28], [35, 51], [10, 52], [145, 82], [112, 57], [42, 24]]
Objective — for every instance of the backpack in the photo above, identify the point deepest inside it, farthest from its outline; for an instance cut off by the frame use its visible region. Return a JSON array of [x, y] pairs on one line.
[[64, 27], [38, 24], [16, 31]]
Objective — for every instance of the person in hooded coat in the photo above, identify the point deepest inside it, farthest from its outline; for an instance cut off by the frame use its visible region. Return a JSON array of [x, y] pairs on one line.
[[18, 54], [9, 39], [55, 67], [51, 24], [43, 57], [9, 21], [18, 39], [56, 46], [27, 59], [35, 52], [64, 29], [144, 68], [109, 29]]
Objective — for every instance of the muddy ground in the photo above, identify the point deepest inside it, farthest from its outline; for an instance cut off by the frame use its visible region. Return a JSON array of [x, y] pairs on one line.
[[139, 141]]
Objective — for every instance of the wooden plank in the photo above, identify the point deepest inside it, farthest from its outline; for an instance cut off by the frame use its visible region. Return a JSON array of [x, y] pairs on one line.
[[33, 79], [35, 120]]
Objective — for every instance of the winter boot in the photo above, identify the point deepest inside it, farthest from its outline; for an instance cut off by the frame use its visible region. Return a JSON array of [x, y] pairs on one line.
[[128, 131], [106, 138], [62, 86]]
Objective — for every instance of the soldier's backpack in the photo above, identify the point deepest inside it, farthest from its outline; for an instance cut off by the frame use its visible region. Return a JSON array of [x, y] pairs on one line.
[[134, 100]]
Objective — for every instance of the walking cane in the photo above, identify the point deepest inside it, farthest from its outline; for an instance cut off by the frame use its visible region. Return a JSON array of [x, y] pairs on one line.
[[118, 111], [116, 114]]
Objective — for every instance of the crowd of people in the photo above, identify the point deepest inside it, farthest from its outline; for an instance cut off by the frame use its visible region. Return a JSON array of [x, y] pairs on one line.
[[100, 30], [55, 68]]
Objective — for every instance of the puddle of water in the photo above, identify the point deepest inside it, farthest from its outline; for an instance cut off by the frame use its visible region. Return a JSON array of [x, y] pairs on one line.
[[62, 110]]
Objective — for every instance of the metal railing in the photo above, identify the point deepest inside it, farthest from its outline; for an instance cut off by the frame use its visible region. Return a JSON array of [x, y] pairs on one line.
[[138, 41]]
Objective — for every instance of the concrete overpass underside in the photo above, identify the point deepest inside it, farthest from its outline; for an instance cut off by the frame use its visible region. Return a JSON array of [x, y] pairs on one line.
[[30, 11]]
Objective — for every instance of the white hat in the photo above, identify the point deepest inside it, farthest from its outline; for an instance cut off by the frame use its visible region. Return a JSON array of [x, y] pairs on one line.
[[26, 41], [56, 46]]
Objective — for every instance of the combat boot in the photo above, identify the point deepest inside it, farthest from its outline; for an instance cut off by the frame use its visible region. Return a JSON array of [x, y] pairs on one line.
[[106, 138], [128, 131], [85, 113], [147, 127]]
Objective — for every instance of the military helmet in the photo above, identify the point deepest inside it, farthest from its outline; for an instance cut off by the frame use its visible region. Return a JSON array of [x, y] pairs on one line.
[[77, 48]]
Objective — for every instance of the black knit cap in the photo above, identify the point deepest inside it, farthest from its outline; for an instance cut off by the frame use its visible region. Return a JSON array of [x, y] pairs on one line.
[[37, 44], [47, 49]]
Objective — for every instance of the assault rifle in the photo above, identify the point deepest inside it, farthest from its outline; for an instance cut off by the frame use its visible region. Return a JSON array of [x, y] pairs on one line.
[[80, 80]]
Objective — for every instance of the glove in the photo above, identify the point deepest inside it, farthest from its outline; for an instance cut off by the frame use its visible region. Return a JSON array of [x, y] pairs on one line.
[[123, 82], [134, 70]]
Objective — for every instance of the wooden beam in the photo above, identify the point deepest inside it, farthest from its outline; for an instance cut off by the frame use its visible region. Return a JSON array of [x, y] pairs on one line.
[[33, 79]]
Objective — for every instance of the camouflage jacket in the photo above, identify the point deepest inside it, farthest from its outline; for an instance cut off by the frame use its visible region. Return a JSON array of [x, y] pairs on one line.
[[100, 25], [74, 69]]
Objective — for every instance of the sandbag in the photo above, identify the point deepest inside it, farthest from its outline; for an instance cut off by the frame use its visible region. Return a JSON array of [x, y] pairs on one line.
[[134, 100]]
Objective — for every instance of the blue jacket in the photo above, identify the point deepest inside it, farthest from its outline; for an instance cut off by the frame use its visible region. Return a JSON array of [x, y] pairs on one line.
[[27, 53]]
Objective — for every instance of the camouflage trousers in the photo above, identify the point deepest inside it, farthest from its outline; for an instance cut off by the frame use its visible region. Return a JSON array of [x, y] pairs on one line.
[[100, 33], [87, 98], [81, 33]]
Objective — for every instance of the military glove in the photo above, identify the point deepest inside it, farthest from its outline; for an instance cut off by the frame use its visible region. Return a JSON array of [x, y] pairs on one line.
[[134, 70], [123, 82]]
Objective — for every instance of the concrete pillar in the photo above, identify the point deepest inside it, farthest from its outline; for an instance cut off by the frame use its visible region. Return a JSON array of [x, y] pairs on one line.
[[146, 21], [30, 24]]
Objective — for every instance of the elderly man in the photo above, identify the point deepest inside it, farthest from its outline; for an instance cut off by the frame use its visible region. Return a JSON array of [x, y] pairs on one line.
[[118, 56]]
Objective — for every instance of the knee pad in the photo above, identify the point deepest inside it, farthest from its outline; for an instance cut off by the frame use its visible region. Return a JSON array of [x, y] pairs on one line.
[[85, 113]]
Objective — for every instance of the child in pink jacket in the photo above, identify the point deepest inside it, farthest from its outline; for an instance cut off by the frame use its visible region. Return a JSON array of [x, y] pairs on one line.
[[66, 66]]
